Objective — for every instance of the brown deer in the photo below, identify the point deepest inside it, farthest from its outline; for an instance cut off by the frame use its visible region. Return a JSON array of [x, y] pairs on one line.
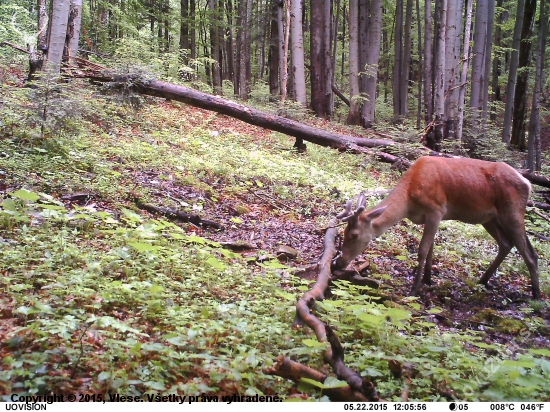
[[435, 189]]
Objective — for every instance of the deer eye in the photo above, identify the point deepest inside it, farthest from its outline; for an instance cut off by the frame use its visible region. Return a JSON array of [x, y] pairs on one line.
[[353, 236]]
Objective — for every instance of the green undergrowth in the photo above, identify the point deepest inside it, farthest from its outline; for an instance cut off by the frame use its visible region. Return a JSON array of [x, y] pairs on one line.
[[98, 298]]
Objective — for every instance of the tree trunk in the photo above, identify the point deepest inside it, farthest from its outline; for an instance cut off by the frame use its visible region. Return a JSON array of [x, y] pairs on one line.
[[58, 32], [428, 62], [420, 65], [534, 143], [465, 69], [495, 87], [254, 116], [439, 72], [319, 69], [480, 39], [284, 81], [215, 44], [298, 63], [487, 62], [373, 59], [398, 60], [354, 116], [73, 31], [452, 65], [245, 48], [406, 59], [185, 41], [513, 73], [518, 123], [273, 58], [329, 99], [192, 10]]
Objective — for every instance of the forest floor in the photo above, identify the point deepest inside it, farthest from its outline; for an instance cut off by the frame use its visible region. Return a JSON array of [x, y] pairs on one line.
[[99, 296]]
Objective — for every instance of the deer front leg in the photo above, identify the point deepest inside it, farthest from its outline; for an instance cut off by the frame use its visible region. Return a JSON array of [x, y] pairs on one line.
[[426, 246]]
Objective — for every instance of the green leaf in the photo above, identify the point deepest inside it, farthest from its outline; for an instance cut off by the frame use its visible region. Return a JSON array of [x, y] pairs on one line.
[[517, 364], [143, 247], [312, 343], [545, 366], [103, 376], [178, 340], [158, 386], [373, 319], [24, 194], [216, 263], [156, 289], [132, 216], [543, 352]]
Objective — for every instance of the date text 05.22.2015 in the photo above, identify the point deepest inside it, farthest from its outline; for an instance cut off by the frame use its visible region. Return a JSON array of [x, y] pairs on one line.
[[385, 406]]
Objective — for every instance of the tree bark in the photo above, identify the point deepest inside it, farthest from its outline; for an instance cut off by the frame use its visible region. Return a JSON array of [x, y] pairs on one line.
[[58, 32], [373, 59], [253, 116], [439, 73], [480, 39], [284, 63], [319, 68], [354, 116], [534, 143], [520, 105], [495, 87], [428, 62], [464, 73], [452, 65], [274, 58], [513, 73], [73, 30], [398, 60], [406, 59], [185, 41], [298, 62]]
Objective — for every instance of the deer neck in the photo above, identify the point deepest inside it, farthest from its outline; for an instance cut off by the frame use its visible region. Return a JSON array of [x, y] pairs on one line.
[[396, 210]]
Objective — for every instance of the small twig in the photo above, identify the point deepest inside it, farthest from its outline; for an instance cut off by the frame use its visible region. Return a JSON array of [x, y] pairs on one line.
[[545, 217], [81, 350], [546, 238]]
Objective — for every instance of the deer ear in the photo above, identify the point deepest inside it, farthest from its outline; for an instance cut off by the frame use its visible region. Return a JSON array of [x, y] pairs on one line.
[[375, 213]]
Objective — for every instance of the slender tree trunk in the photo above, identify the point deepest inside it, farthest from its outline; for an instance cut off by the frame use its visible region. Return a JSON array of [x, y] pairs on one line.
[[354, 116], [215, 44], [495, 87], [518, 123], [274, 85], [73, 30], [373, 59], [298, 62], [192, 10], [513, 73], [58, 32], [439, 72], [406, 60], [285, 53], [480, 40], [398, 60], [319, 69], [465, 69], [420, 65], [534, 143], [487, 62], [230, 33], [428, 62], [329, 99], [185, 41], [452, 65]]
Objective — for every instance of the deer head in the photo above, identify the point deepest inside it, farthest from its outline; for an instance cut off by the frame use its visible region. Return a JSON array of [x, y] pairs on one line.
[[359, 231]]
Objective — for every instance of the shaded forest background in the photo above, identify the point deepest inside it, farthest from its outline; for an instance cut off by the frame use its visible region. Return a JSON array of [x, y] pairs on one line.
[[470, 74]]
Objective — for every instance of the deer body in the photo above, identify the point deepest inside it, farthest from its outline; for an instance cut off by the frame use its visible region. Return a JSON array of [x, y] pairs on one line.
[[434, 189]]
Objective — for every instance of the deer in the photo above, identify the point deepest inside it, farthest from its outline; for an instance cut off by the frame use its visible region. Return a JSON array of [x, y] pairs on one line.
[[433, 189]]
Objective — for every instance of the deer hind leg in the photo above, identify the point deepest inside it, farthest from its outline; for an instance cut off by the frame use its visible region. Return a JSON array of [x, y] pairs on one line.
[[426, 245], [504, 247], [427, 279], [515, 230]]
